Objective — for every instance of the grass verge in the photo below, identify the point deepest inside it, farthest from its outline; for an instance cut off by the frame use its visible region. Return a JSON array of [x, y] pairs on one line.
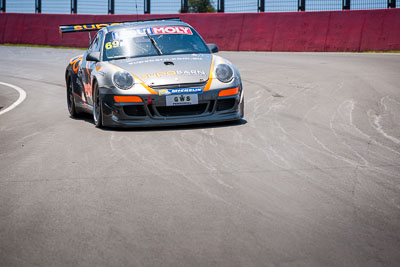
[[389, 52]]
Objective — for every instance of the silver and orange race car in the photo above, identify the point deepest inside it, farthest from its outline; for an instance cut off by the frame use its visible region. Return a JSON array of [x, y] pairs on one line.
[[151, 73]]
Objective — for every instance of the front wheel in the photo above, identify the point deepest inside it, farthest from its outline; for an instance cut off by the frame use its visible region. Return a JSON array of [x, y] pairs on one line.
[[71, 99], [97, 107]]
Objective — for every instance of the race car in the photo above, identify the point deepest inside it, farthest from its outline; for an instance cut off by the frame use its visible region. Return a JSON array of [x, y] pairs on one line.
[[151, 73]]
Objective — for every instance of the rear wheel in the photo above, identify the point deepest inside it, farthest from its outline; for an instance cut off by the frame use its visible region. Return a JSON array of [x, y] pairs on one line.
[[70, 98], [97, 107]]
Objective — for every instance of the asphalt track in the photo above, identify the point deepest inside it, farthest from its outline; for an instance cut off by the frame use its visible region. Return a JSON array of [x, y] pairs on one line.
[[310, 178]]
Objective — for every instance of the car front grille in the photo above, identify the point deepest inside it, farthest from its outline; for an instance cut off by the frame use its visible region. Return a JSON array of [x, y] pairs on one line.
[[180, 85], [225, 104], [134, 110], [169, 111]]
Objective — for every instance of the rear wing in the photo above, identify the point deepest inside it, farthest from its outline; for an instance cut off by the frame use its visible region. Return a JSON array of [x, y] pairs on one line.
[[85, 27], [97, 26]]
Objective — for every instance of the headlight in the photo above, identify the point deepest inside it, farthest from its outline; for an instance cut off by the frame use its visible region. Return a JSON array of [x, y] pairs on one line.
[[123, 80], [224, 73]]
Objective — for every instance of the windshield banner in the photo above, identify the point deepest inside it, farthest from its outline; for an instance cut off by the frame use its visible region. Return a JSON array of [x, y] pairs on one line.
[[152, 31]]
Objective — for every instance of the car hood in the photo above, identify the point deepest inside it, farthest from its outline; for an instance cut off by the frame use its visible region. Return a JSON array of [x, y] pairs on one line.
[[172, 69]]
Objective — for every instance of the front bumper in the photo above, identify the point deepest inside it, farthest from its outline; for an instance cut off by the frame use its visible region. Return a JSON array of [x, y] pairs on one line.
[[153, 111]]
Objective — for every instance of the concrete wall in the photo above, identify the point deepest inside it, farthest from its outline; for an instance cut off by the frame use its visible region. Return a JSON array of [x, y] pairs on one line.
[[362, 30]]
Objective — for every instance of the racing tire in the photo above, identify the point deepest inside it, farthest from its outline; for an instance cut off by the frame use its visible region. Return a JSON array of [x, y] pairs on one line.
[[97, 107], [73, 112]]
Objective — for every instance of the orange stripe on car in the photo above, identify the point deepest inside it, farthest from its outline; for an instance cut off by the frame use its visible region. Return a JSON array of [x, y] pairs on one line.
[[87, 68], [145, 85], [98, 68], [227, 92], [127, 99], [79, 97], [115, 67], [208, 85]]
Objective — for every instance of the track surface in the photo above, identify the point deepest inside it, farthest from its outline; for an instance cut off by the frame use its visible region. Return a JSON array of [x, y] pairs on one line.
[[312, 178]]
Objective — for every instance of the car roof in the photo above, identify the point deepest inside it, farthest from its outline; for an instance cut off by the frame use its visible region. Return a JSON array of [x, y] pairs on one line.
[[145, 24]]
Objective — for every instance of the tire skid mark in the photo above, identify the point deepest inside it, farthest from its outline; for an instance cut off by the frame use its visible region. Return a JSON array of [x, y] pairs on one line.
[[244, 172], [303, 155], [259, 100], [303, 143], [377, 118], [372, 140], [275, 157], [263, 86], [214, 171], [324, 147], [351, 104], [194, 154], [304, 120], [376, 142], [348, 123], [214, 142], [265, 147], [326, 150], [349, 109], [161, 165]]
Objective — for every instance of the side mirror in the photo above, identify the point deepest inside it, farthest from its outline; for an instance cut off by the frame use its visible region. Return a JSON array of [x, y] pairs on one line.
[[213, 48], [93, 56]]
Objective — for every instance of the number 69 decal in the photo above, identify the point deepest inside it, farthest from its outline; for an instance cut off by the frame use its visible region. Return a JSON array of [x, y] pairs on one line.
[[113, 44]]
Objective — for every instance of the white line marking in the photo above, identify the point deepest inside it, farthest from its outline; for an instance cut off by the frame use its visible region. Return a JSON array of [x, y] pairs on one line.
[[22, 96]]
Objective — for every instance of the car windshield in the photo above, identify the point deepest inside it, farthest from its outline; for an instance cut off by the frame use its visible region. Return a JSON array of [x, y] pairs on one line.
[[153, 41]]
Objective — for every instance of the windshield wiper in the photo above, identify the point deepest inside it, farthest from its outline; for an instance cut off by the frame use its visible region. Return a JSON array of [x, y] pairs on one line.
[[119, 57], [154, 43]]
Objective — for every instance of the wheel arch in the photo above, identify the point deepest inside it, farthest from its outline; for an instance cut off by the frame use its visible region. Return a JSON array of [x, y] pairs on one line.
[[95, 80], [67, 73]]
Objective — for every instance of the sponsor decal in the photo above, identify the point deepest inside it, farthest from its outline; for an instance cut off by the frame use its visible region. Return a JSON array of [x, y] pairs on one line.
[[190, 72], [174, 72], [159, 74], [196, 90], [75, 62], [93, 26], [151, 31], [165, 59], [171, 30], [124, 34]]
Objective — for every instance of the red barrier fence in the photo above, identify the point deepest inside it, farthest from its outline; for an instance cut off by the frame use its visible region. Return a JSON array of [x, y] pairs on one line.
[[363, 30]]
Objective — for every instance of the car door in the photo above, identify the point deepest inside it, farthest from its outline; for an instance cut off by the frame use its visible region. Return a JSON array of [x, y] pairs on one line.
[[88, 66]]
